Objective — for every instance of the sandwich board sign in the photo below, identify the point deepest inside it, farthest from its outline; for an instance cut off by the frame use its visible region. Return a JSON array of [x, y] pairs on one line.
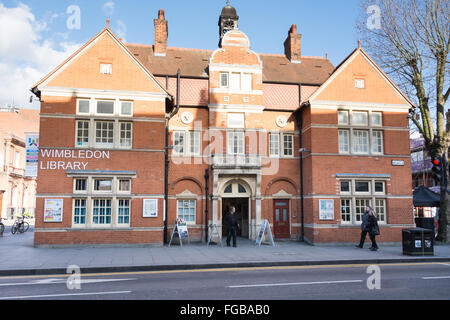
[[265, 228], [214, 231], [180, 229]]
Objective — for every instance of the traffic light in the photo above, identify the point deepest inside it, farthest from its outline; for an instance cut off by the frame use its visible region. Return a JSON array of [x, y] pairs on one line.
[[438, 170]]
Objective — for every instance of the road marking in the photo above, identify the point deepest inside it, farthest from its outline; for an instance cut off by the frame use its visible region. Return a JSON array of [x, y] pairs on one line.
[[65, 295], [294, 284], [58, 281], [435, 278], [330, 266]]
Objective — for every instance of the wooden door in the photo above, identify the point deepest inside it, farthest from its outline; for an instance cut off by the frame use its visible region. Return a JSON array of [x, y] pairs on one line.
[[282, 224]]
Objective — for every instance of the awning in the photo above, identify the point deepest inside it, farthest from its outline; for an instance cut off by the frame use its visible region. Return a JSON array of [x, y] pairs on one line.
[[424, 197]]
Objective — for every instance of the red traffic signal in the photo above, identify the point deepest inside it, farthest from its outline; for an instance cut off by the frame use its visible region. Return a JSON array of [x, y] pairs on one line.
[[437, 162]]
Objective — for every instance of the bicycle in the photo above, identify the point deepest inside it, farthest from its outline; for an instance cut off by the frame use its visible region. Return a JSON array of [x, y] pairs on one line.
[[2, 227], [20, 225]]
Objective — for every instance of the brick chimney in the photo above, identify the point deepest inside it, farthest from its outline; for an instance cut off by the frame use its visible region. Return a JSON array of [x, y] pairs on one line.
[[293, 45], [161, 34]]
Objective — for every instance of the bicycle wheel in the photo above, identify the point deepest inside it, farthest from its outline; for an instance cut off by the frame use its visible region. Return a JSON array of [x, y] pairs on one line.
[[14, 228], [21, 228], [26, 226]]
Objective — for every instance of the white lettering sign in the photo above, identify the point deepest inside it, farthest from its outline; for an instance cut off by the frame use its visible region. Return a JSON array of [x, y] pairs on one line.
[[63, 159]]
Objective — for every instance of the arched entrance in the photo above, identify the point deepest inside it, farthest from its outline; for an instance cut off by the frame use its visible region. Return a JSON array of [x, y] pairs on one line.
[[237, 194]]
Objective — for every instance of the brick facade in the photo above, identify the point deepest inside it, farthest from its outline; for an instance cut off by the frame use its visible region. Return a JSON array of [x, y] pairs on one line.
[[241, 122]]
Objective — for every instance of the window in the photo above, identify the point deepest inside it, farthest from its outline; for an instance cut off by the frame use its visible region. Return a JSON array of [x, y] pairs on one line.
[[288, 145], [104, 185], [105, 107], [344, 141], [377, 142], [82, 133], [104, 133], [125, 185], [80, 185], [83, 106], [194, 143], [17, 159], [236, 142], [178, 142], [346, 213], [224, 80], [376, 119], [235, 83], [274, 145], [106, 68], [360, 84], [361, 141], [241, 189], [79, 212], [123, 213], [186, 210], [236, 120], [343, 117], [359, 118], [126, 134], [101, 212], [247, 82], [379, 187], [126, 108], [345, 186], [362, 186], [380, 209], [229, 189]]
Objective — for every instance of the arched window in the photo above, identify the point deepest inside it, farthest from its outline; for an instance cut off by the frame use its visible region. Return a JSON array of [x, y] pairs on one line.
[[236, 189]]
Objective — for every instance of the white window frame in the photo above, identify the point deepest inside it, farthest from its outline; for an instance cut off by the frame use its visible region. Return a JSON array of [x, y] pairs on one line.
[[107, 145], [347, 116], [236, 121], [75, 180], [232, 148], [377, 141], [247, 82], [105, 114], [106, 68], [74, 215], [284, 148], [89, 107], [350, 206], [345, 143], [118, 212], [184, 217], [357, 142], [227, 76], [130, 146], [119, 179], [277, 146], [121, 108], [77, 137], [111, 211], [235, 82], [366, 123], [94, 179], [194, 144]]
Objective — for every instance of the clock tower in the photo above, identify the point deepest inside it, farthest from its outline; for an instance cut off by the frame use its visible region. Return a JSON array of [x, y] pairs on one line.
[[228, 20]]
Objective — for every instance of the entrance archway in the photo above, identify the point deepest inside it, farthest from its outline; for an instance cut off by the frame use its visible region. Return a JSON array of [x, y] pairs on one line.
[[238, 195]]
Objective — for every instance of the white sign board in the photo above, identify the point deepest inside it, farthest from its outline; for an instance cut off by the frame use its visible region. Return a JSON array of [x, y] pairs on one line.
[[32, 155], [53, 210], [265, 225], [326, 209], [182, 229], [150, 208]]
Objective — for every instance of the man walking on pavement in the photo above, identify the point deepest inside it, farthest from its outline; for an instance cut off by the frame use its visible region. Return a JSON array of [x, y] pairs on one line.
[[364, 228], [232, 226]]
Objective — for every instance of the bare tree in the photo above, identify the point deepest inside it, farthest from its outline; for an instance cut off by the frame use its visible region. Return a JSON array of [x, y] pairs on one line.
[[410, 40]]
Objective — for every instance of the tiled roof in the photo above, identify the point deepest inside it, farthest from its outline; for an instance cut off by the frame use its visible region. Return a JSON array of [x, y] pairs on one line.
[[194, 63]]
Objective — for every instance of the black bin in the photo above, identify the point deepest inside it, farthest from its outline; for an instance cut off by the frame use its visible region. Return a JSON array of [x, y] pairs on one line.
[[425, 223], [418, 242]]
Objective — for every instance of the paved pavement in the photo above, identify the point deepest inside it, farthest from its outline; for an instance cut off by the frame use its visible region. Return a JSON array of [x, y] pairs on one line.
[[20, 257]]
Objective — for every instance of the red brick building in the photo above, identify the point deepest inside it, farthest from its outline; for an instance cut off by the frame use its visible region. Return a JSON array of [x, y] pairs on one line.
[[286, 138]]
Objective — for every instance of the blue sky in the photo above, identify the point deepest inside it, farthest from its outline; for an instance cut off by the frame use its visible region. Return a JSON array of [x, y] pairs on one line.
[[38, 39]]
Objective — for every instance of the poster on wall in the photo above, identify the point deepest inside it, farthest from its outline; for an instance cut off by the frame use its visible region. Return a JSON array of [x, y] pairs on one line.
[[326, 209], [53, 210], [32, 155], [150, 208]]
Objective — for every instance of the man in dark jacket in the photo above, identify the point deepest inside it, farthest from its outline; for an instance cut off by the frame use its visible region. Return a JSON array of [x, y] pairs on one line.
[[364, 229], [232, 225]]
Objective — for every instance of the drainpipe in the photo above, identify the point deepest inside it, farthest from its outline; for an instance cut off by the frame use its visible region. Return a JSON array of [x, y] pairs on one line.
[[302, 197], [206, 204], [166, 155]]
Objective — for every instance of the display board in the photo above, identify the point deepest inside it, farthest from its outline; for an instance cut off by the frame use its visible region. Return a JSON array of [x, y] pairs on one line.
[[265, 229], [180, 229]]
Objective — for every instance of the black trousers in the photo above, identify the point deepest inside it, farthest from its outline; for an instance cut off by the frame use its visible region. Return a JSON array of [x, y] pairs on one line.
[[374, 241], [231, 234], [363, 238]]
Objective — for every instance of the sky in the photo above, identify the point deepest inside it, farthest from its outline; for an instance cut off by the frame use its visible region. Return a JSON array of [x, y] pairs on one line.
[[37, 35]]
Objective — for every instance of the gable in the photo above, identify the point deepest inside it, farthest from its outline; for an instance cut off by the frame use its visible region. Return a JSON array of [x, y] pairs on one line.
[[378, 88], [82, 70]]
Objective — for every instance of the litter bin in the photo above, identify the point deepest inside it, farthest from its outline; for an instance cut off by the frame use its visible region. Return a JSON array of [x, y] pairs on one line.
[[418, 242], [425, 223]]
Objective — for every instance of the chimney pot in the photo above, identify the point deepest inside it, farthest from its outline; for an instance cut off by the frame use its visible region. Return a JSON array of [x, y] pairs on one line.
[[293, 45], [161, 34], [161, 15]]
